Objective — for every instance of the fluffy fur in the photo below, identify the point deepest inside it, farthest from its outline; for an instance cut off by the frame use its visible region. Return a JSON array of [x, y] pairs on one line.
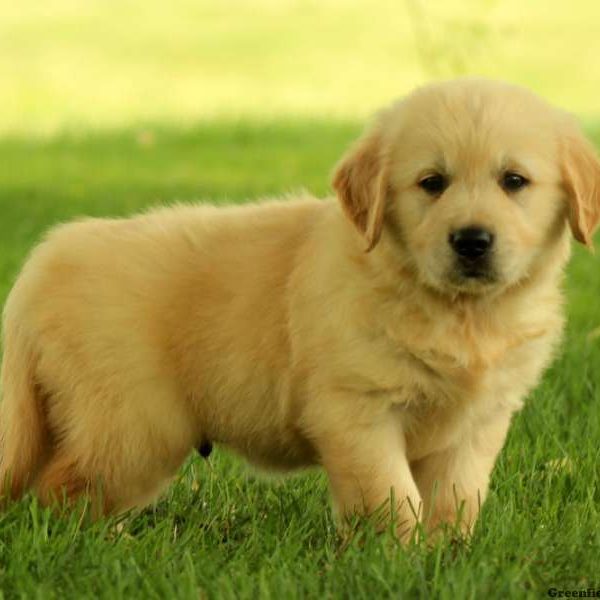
[[304, 331]]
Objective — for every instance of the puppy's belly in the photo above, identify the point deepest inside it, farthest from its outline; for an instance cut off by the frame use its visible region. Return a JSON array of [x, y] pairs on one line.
[[278, 454]]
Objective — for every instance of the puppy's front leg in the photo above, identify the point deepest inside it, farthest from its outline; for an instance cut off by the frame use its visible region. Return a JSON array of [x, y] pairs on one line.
[[366, 463], [454, 482]]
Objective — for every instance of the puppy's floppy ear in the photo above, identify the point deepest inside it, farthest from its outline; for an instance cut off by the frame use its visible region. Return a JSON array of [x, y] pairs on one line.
[[581, 180], [361, 183]]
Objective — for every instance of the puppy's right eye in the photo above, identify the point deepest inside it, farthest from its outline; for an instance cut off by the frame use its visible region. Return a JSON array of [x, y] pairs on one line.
[[434, 184]]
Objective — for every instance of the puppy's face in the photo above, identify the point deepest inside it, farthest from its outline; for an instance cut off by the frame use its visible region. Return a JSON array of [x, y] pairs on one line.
[[475, 180]]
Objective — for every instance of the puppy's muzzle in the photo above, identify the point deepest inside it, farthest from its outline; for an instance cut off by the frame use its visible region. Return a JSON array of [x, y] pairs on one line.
[[473, 247]]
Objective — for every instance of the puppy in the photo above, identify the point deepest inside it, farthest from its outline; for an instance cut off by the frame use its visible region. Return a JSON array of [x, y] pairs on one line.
[[387, 336]]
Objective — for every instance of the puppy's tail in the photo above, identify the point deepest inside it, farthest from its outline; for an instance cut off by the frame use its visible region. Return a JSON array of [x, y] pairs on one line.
[[23, 429]]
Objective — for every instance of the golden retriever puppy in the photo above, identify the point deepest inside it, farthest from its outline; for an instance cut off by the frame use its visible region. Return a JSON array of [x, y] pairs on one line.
[[387, 336]]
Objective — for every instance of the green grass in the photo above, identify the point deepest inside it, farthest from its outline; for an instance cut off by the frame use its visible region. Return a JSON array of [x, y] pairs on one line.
[[224, 532]]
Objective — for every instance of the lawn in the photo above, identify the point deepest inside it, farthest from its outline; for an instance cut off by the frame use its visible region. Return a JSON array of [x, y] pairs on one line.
[[223, 531]]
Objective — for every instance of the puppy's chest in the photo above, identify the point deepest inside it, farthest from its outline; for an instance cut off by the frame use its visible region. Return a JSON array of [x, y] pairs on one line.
[[442, 395], [428, 376]]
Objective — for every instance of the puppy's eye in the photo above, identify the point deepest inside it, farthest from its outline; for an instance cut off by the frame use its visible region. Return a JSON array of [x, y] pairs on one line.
[[434, 184], [513, 182]]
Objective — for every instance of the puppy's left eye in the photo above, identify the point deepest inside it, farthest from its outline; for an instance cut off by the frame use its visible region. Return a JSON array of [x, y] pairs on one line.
[[513, 182], [434, 184]]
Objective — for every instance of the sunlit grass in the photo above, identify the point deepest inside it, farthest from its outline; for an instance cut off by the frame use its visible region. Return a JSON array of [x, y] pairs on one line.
[[96, 64]]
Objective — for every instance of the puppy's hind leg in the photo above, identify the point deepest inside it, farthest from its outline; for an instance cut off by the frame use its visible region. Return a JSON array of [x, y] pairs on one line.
[[122, 455], [60, 481], [23, 425]]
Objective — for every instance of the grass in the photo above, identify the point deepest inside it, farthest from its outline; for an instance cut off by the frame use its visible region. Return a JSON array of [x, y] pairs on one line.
[[99, 64], [222, 531]]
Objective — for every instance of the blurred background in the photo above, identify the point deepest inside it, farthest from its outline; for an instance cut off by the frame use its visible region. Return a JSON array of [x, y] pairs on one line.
[[72, 65]]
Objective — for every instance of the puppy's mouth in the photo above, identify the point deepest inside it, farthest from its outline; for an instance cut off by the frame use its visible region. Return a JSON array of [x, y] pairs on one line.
[[473, 276]]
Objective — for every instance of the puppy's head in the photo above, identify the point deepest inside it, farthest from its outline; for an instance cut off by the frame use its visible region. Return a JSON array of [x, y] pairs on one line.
[[475, 180]]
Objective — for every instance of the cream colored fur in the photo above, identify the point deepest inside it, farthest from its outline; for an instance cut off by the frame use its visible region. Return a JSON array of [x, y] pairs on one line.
[[269, 329]]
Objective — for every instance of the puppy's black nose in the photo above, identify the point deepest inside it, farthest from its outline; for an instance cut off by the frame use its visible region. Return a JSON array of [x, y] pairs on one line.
[[471, 242]]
